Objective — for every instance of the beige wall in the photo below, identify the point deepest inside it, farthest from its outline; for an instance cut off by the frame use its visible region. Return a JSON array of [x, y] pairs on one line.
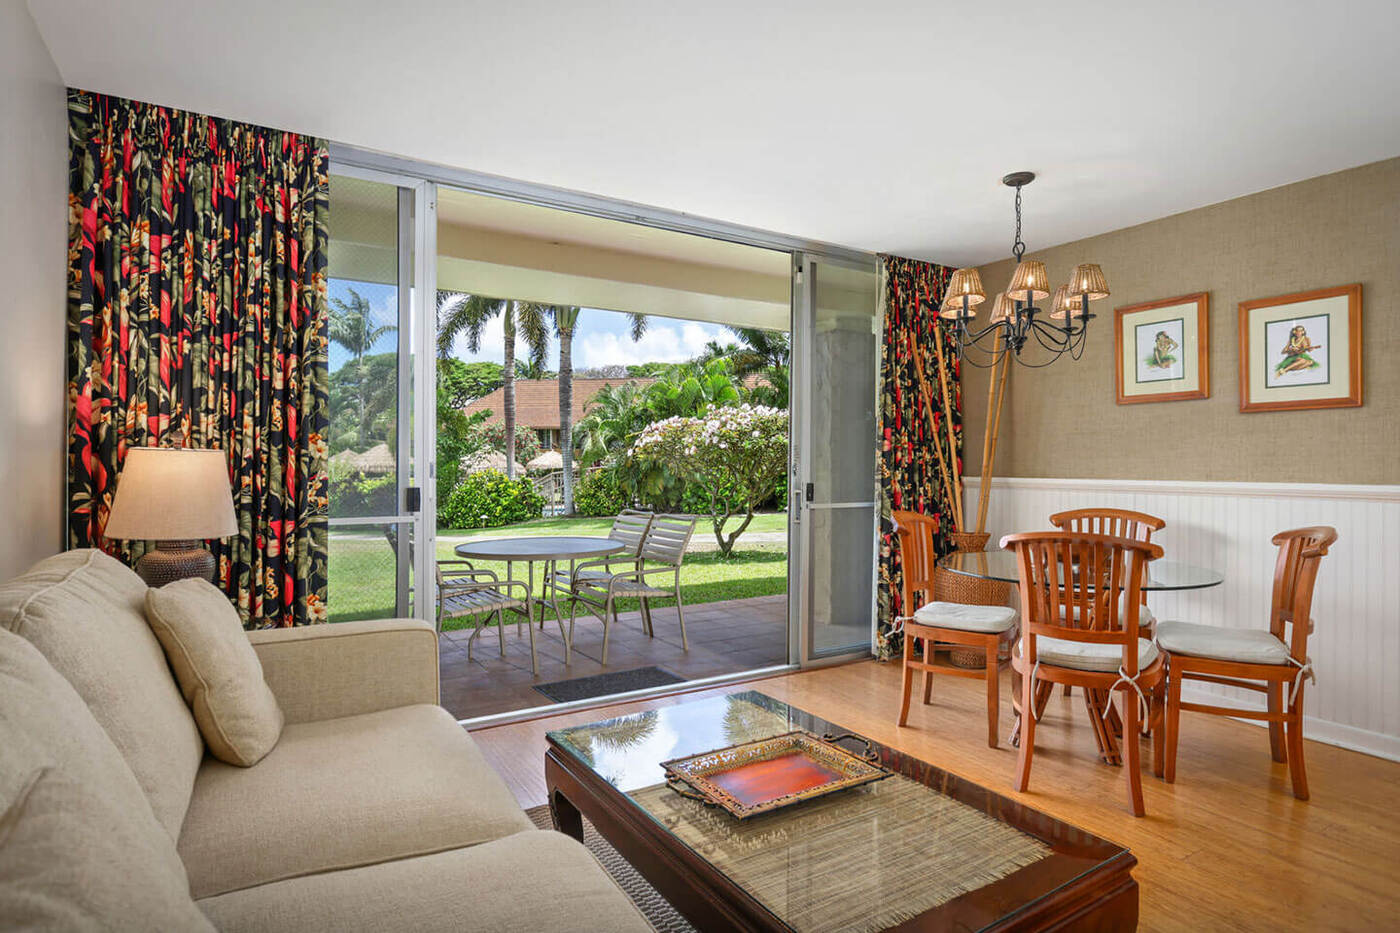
[[1063, 421], [33, 237]]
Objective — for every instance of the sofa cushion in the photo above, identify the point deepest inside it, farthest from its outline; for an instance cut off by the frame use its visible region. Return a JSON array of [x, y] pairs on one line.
[[85, 612], [340, 793], [217, 669], [485, 887], [79, 846]]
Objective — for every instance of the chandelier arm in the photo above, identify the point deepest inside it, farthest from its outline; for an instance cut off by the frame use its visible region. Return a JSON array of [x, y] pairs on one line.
[[1057, 342]]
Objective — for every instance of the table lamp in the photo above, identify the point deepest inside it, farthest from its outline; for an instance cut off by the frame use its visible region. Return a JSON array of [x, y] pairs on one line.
[[176, 497]]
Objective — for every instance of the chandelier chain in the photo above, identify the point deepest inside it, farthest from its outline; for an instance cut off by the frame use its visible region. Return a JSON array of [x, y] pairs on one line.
[[1018, 248]]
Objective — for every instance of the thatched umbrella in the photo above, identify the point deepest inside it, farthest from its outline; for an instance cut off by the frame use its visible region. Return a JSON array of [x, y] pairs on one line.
[[378, 459], [549, 460], [484, 460], [345, 458]]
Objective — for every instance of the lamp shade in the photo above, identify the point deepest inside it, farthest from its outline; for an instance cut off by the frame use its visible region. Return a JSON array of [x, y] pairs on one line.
[[1088, 278], [172, 494], [965, 283], [1029, 282], [1064, 303], [1002, 308]]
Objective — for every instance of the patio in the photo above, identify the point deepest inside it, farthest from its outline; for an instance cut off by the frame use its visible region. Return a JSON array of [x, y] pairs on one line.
[[725, 637]]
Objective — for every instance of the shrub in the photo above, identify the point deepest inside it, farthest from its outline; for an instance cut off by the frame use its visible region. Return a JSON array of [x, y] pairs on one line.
[[489, 500], [599, 494], [353, 493]]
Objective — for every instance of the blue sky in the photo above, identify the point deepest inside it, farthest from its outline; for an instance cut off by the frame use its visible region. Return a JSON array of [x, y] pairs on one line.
[[602, 338]]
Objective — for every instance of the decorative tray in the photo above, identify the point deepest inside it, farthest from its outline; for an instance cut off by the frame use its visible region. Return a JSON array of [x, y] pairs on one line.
[[769, 774]]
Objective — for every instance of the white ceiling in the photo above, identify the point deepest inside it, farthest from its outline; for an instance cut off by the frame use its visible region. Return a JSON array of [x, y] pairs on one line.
[[879, 126]]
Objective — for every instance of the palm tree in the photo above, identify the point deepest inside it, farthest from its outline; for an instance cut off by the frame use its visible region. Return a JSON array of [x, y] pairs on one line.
[[352, 327], [760, 352], [468, 314], [565, 320], [614, 417]]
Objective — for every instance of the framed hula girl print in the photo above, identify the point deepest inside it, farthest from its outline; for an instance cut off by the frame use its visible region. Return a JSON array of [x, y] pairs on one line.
[[1301, 351], [1162, 349]]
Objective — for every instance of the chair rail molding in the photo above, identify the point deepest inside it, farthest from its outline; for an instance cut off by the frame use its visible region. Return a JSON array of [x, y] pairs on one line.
[[1355, 647]]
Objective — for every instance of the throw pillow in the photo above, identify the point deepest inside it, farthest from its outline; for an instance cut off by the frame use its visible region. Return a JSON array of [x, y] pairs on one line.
[[217, 669]]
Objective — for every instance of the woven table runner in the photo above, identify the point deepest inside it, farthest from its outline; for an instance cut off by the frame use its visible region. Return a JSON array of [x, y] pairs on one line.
[[865, 859]]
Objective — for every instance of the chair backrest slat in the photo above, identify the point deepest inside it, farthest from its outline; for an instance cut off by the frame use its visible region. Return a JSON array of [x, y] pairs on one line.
[[631, 526], [917, 558], [1071, 583], [1300, 553], [667, 538], [1116, 523]]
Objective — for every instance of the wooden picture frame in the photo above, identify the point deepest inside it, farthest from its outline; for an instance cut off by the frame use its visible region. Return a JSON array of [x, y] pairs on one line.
[[1173, 364], [1281, 369]]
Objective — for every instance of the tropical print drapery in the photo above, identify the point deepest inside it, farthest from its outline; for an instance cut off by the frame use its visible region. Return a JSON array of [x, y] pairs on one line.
[[908, 463], [197, 317]]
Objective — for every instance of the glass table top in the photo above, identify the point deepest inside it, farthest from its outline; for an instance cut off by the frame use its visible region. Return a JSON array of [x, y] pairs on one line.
[[1162, 575], [927, 829]]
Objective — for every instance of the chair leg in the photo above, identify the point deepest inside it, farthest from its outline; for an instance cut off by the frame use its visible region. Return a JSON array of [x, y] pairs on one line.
[[1023, 754], [1276, 739], [646, 617], [1069, 690], [680, 614], [1132, 751], [534, 658], [1294, 730], [1155, 726], [1172, 726], [993, 693], [908, 680], [607, 620], [928, 676], [501, 629]]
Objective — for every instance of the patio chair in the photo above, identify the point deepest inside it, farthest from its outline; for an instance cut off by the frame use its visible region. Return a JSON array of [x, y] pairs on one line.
[[466, 591], [664, 546], [630, 526]]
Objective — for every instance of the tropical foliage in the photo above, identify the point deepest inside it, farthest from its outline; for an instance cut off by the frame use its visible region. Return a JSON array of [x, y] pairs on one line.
[[733, 453], [599, 493], [488, 499]]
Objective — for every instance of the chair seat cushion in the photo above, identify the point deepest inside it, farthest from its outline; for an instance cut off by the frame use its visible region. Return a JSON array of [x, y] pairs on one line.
[[1087, 655], [1145, 616], [1251, 646], [533, 880], [966, 617], [340, 793]]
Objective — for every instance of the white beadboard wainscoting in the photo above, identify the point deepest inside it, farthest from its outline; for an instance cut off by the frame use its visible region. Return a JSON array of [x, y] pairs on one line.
[[1355, 647]]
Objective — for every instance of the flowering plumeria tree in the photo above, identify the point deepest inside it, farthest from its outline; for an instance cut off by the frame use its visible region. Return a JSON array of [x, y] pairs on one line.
[[736, 454]]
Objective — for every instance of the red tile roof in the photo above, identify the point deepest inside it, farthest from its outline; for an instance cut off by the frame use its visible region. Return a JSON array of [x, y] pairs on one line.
[[537, 400]]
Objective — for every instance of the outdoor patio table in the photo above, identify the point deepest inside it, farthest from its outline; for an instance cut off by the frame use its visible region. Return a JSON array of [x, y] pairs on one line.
[[1162, 576], [546, 549]]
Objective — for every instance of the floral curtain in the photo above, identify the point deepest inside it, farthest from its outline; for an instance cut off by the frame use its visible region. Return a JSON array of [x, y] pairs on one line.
[[197, 317], [908, 465]]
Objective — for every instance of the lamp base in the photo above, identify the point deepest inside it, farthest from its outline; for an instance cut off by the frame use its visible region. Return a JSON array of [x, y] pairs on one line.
[[175, 560]]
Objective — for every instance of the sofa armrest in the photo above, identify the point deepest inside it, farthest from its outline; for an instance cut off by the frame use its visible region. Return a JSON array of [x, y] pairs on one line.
[[346, 668]]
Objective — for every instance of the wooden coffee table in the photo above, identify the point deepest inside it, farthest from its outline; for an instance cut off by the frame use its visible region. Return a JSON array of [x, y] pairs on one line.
[[780, 871]]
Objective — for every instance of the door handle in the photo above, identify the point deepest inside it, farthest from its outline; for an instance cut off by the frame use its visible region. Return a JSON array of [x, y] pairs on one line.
[[413, 499]]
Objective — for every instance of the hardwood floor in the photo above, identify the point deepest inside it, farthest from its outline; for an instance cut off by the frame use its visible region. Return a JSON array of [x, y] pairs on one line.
[[1225, 848]]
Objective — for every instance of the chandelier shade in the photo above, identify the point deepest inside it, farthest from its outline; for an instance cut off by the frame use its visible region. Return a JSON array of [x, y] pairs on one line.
[[964, 290], [1029, 283], [1064, 303], [1088, 279], [1002, 308]]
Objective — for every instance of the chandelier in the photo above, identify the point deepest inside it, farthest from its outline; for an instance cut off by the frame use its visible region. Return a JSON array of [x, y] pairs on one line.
[[1015, 319]]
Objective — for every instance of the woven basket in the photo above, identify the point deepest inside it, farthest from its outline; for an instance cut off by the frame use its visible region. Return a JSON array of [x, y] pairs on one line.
[[952, 587]]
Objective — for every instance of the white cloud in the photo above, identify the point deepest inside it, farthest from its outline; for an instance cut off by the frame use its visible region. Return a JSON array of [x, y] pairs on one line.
[[662, 343]]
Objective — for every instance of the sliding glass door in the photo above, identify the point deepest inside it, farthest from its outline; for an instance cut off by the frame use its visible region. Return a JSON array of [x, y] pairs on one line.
[[380, 547], [833, 506]]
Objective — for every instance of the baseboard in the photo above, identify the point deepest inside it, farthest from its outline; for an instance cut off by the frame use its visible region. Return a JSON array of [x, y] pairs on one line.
[[1376, 744]]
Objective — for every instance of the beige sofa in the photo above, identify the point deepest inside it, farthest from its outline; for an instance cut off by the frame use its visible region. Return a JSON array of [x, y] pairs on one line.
[[375, 810]]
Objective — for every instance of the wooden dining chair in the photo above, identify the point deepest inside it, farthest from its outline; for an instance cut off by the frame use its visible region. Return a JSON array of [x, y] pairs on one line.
[[933, 622], [1119, 523], [1079, 628], [1273, 662]]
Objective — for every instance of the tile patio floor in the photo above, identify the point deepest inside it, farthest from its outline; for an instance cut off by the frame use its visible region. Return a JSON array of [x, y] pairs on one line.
[[725, 637]]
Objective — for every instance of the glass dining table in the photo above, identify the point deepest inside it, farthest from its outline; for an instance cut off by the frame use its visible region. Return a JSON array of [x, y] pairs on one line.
[[1162, 576]]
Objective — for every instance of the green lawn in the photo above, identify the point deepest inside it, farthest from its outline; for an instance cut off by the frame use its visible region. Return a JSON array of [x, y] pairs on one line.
[[362, 567]]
